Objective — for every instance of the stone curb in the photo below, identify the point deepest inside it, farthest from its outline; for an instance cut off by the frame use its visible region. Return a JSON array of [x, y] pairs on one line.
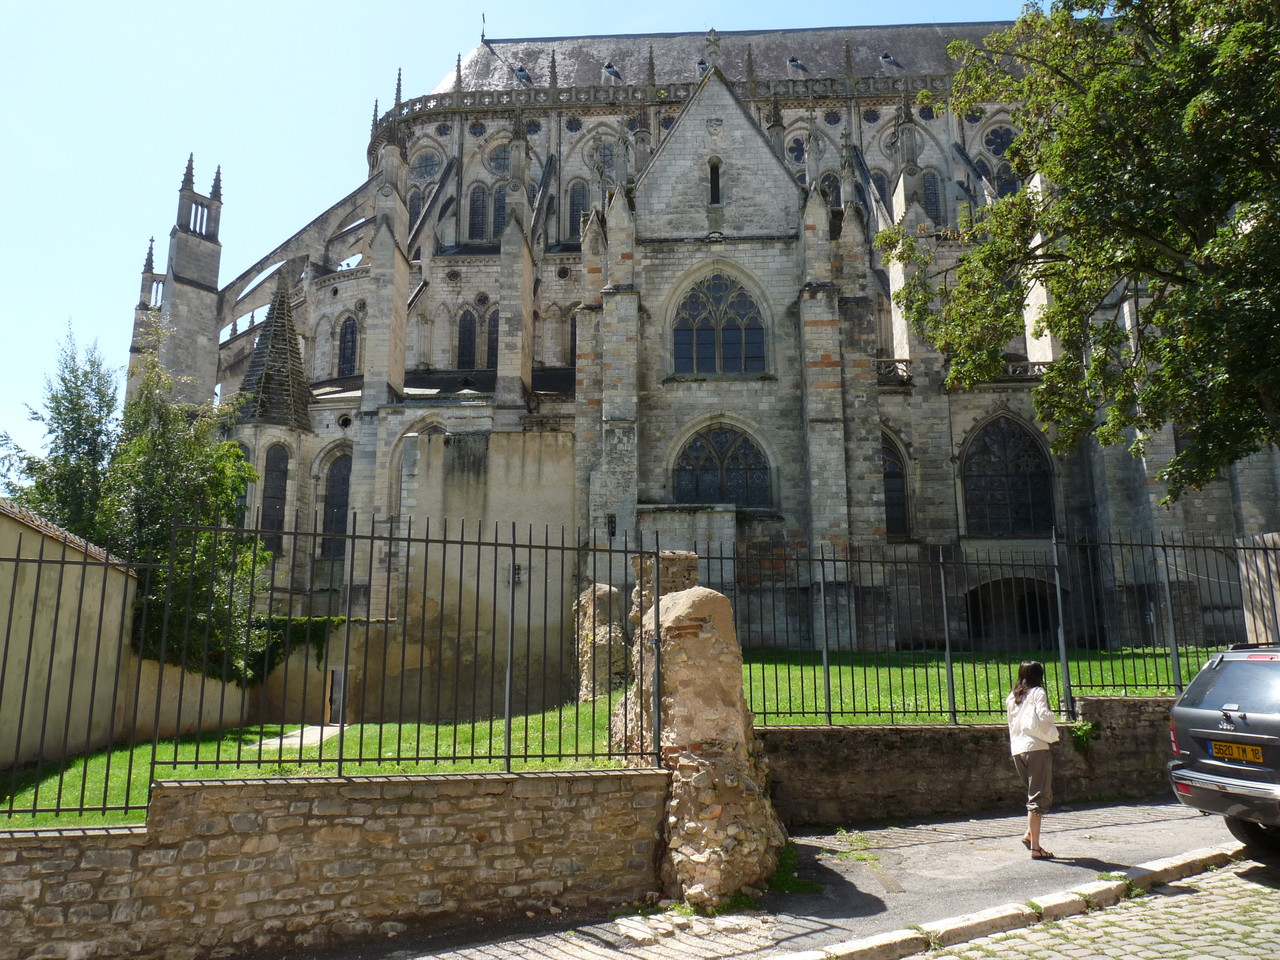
[[899, 944]]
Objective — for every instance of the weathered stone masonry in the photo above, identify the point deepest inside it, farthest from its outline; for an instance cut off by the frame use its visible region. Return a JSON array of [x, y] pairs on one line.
[[228, 867]]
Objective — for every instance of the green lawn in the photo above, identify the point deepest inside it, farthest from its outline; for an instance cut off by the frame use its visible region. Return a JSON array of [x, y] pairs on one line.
[[783, 687], [791, 687]]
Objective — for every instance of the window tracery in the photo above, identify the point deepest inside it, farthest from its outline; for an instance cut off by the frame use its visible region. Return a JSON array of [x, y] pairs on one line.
[[718, 329], [721, 464], [337, 495], [348, 343], [895, 488], [275, 485], [1007, 479]]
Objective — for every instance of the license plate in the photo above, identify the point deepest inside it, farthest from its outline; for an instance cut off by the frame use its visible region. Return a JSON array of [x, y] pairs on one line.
[[1235, 751]]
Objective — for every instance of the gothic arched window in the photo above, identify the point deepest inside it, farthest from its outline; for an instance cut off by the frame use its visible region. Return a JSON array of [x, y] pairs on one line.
[[467, 341], [337, 496], [499, 210], [1008, 488], [478, 213], [829, 185], [896, 522], [491, 341], [718, 329], [275, 486], [721, 464], [577, 208], [932, 185], [415, 206], [348, 338]]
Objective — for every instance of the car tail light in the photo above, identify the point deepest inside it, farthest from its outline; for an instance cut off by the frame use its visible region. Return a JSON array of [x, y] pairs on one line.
[[1173, 738], [1183, 788]]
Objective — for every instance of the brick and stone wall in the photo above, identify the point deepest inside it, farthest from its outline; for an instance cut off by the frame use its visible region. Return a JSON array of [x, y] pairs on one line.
[[225, 868], [833, 775]]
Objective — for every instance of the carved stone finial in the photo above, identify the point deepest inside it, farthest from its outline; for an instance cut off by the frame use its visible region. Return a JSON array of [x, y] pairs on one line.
[[399, 73], [457, 75], [713, 48], [216, 192], [189, 178], [553, 69], [150, 265], [373, 127], [651, 77]]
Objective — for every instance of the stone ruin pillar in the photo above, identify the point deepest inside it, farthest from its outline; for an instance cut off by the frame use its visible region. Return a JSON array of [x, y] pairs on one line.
[[602, 641], [722, 831]]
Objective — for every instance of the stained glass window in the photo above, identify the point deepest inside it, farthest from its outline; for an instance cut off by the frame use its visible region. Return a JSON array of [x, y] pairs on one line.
[[347, 341], [499, 210], [478, 215], [415, 206], [275, 484], [1008, 485], [467, 341], [491, 342], [932, 196], [577, 207], [718, 329], [722, 465], [895, 488], [337, 491]]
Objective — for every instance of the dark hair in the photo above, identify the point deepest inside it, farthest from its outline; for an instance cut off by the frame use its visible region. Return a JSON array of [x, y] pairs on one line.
[[1030, 674]]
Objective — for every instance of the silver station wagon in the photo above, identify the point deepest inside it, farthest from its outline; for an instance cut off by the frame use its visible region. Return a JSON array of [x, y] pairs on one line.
[[1225, 733]]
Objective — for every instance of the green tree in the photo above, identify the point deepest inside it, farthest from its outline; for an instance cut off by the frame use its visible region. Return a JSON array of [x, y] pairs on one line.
[[170, 503], [1152, 225], [79, 418]]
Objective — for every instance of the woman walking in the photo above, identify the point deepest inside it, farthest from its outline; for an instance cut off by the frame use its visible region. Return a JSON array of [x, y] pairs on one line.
[[1032, 728]]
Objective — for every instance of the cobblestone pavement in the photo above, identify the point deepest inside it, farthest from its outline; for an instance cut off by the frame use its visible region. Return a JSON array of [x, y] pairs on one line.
[[1232, 913]]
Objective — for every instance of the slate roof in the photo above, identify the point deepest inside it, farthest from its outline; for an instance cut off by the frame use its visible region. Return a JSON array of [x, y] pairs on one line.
[[921, 49]]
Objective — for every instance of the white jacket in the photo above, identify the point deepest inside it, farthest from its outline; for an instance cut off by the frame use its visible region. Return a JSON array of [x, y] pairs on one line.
[[1032, 725]]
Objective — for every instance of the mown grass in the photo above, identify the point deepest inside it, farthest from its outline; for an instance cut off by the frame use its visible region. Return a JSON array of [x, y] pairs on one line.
[[791, 687], [117, 781], [783, 687]]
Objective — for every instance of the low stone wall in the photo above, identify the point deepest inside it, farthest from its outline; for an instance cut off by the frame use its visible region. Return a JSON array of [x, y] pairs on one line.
[[225, 868], [834, 775]]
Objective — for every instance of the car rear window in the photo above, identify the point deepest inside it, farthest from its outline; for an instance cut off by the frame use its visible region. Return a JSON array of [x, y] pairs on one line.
[[1252, 684]]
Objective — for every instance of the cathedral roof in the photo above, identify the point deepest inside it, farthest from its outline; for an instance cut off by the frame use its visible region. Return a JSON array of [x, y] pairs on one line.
[[275, 387], [916, 49]]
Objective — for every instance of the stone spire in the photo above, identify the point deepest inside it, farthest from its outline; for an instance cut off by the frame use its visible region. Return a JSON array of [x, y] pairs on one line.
[[651, 75], [373, 127], [189, 178], [216, 192], [399, 73], [457, 76], [552, 76], [275, 387], [150, 265]]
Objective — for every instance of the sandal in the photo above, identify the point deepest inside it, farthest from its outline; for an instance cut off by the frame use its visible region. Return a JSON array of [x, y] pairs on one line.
[[1026, 842], [1039, 853]]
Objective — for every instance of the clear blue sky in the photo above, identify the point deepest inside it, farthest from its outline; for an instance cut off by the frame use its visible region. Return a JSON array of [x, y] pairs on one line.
[[103, 103]]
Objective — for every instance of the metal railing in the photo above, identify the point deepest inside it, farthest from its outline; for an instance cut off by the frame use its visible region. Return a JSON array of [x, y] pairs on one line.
[[398, 650]]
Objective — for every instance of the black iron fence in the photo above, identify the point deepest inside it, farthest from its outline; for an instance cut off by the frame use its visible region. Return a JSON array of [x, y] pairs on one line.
[[451, 647]]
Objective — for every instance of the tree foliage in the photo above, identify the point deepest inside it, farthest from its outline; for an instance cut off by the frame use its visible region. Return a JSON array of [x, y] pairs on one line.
[[1149, 137], [161, 488], [79, 418], [170, 502]]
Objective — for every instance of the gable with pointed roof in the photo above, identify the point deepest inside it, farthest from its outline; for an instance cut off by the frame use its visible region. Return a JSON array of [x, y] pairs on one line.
[[755, 195]]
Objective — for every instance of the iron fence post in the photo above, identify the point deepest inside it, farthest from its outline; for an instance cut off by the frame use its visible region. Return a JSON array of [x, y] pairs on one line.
[[946, 639], [1168, 615], [826, 634], [1068, 700], [657, 651], [511, 651]]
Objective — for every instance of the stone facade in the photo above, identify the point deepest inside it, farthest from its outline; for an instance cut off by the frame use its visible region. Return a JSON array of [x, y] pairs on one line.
[[662, 281]]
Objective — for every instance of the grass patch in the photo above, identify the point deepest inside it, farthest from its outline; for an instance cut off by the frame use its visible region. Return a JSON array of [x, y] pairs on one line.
[[791, 686], [784, 879]]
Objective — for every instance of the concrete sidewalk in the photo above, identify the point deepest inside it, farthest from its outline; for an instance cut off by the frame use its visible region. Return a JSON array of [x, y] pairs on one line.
[[957, 879]]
